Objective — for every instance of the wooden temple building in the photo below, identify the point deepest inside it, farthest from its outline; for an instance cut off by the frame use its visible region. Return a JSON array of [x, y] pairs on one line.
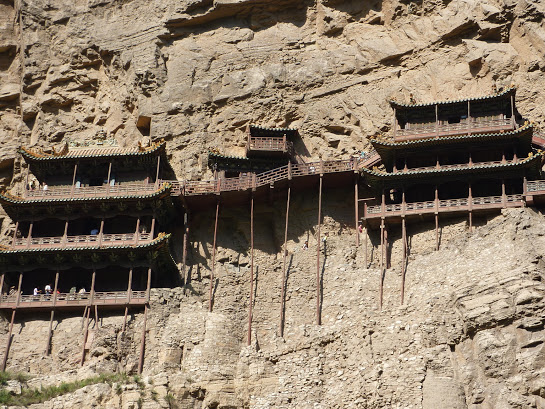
[[87, 233], [451, 158]]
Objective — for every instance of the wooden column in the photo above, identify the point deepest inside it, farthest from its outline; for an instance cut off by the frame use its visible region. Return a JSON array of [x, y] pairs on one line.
[[148, 286], [8, 342], [85, 335], [74, 179], [386, 253], [381, 262], [436, 218], [101, 232], [184, 249], [15, 233], [2, 284], [129, 294], [157, 173], [50, 331], [250, 306], [137, 231], [152, 229], [356, 211], [109, 176], [404, 262], [318, 280], [383, 204], [395, 122], [365, 232], [470, 205], [29, 233], [284, 256], [503, 195], [143, 341], [213, 267], [19, 290], [65, 234]]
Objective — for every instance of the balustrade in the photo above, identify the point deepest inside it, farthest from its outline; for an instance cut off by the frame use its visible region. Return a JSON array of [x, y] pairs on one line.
[[475, 126], [82, 240], [69, 192], [71, 299]]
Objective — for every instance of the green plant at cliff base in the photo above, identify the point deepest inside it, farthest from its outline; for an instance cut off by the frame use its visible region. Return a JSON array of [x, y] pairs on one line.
[[31, 396]]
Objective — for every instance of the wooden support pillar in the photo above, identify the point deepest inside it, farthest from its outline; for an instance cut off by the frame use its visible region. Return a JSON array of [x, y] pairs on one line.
[[404, 262], [250, 306], [436, 218], [15, 233], [503, 195], [108, 178], [381, 262], [386, 252], [148, 286], [129, 287], [101, 232], [29, 233], [65, 234], [152, 229], [383, 204], [395, 122], [157, 173], [125, 318], [284, 256], [137, 231], [85, 335], [2, 284], [318, 279], [19, 290], [356, 211], [184, 250], [143, 342], [8, 342], [52, 316], [470, 206], [213, 267], [74, 179]]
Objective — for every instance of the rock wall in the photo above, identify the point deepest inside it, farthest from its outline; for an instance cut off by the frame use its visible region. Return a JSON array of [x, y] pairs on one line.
[[196, 72]]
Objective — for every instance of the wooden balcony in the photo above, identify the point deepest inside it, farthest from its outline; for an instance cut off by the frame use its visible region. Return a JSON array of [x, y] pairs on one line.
[[467, 127], [215, 186], [443, 206], [72, 192], [269, 145], [90, 240], [70, 300]]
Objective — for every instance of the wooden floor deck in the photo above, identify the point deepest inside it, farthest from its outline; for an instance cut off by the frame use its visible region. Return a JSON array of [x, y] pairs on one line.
[[73, 300]]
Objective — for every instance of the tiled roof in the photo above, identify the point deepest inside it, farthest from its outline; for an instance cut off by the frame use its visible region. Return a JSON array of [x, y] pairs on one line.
[[6, 197], [402, 105], [158, 242], [432, 141], [476, 168], [264, 131], [94, 152]]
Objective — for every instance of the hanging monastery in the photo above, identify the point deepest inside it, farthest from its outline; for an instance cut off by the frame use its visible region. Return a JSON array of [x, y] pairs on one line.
[[94, 219]]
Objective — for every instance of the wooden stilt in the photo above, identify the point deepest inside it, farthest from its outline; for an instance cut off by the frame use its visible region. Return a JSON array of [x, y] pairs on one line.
[[386, 248], [184, 251], [470, 205], [125, 318], [250, 307], [212, 270], [143, 342], [50, 331], [318, 279], [8, 342], [2, 284], [381, 262], [356, 211], [148, 286], [470, 221], [436, 231], [85, 335], [404, 262], [284, 256], [19, 289], [365, 245], [96, 315]]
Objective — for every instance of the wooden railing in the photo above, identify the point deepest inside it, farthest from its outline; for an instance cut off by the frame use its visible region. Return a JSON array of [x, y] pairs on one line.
[[459, 165], [192, 188], [269, 144], [82, 241], [443, 205], [73, 299], [474, 126], [535, 186], [68, 192]]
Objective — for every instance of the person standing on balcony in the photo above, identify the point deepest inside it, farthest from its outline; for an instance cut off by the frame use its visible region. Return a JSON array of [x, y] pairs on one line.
[[45, 187], [48, 289]]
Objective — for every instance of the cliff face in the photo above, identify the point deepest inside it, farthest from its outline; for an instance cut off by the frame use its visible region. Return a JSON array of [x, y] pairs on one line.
[[196, 72]]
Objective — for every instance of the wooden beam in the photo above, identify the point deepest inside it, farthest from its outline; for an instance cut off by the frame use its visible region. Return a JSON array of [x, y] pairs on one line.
[[74, 178], [85, 335], [318, 278], [29, 233], [284, 273], [157, 173], [437, 218], [125, 318], [404, 262], [213, 267], [143, 342], [152, 229], [8, 342], [250, 307], [50, 331], [148, 285], [184, 249], [356, 210], [386, 252], [19, 290], [129, 287], [381, 262], [109, 175]]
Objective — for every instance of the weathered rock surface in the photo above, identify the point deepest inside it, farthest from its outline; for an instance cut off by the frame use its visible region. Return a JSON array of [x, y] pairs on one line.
[[471, 332]]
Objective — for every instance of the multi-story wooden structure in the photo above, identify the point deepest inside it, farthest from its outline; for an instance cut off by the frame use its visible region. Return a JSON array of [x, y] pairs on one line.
[[270, 142], [451, 158], [87, 232]]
